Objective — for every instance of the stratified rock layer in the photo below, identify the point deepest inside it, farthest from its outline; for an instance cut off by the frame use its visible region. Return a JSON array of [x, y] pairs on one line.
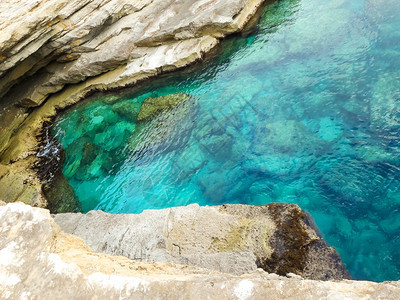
[[38, 260], [55, 52], [237, 239]]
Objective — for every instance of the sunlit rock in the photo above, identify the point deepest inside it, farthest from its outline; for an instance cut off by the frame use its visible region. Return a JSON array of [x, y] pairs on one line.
[[32, 244]]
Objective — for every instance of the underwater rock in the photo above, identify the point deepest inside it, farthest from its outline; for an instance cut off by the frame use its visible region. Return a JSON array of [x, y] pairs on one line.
[[348, 181], [278, 238], [288, 136], [319, 38], [212, 182], [33, 241], [380, 11], [89, 153], [152, 107], [375, 153], [282, 148], [385, 103], [164, 123], [127, 109]]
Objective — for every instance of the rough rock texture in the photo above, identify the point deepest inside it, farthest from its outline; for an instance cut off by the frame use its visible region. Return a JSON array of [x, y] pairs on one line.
[[164, 123], [236, 239], [39, 261], [153, 106], [55, 52]]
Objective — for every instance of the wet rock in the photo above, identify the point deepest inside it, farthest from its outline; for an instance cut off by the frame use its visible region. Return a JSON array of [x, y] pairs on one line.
[[17, 185], [60, 195], [127, 109], [350, 181], [164, 123], [385, 104], [297, 246], [152, 107], [279, 238]]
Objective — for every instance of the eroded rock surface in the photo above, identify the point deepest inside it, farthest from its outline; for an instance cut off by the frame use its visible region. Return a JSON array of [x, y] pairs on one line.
[[54, 52], [237, 239], [163, 123], [38, 260]]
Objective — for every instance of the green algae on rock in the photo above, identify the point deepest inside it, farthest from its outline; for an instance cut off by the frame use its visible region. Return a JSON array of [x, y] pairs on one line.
[[152, 107], [163, 123], [128, 110]]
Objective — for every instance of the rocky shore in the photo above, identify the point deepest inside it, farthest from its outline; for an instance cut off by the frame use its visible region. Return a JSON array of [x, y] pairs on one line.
[[39, 260], [54, 53], [278, 238]]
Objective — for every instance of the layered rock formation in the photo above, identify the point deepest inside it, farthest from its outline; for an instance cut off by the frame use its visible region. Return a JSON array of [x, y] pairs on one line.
[[32, 247], [54, 52], [279, 238]]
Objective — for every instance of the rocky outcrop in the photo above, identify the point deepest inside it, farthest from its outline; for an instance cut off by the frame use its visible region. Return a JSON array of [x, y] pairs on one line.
[[53, 53], [33, 248], [237, 239]]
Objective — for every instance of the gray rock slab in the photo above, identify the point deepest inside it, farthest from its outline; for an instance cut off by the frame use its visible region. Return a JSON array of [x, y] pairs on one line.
[[235, 239]]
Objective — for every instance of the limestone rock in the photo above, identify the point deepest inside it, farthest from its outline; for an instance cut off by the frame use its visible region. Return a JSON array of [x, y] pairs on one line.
[[164, 123], [236, 239], [153, 106], [39, 261], [127, 109], [55, 52], [16, 184]]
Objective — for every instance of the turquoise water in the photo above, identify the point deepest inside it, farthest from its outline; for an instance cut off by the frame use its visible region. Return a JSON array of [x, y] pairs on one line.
[[306, 109]]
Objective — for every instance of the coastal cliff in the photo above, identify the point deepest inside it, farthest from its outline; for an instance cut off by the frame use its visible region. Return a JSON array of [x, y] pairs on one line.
[[278, 238], [55, 53], [62, 266]]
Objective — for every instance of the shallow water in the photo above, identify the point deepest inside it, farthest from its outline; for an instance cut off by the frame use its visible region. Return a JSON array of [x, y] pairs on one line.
[[304, 110]]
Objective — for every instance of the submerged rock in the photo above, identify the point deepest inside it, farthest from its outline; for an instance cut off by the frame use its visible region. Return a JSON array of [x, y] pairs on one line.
[[237, 239], [283, 148], [164, 123], [127, 109], [288, 136], [153, 107], [385, 104]]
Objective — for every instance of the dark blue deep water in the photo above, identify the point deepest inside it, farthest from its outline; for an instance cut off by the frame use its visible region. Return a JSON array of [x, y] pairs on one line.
[[305, 109]]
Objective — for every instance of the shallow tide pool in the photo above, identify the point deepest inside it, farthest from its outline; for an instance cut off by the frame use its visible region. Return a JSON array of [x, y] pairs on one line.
[[305, 109]]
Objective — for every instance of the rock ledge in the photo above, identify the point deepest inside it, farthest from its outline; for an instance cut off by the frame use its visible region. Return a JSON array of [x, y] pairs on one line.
[[38, 260]]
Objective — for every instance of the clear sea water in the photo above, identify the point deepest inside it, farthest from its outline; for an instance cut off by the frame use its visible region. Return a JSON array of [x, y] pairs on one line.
[[305, 109]]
